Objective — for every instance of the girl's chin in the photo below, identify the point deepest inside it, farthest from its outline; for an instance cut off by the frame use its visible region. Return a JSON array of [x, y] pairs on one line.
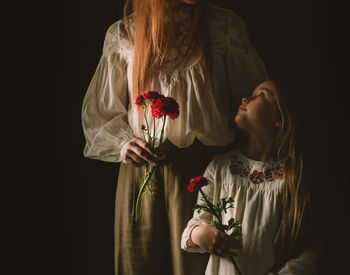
[[239, 123]]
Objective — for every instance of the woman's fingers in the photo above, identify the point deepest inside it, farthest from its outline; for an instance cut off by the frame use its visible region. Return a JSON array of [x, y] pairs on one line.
[[139, 151], [136, 158], [130, 161], [144, 145], [161, 156]]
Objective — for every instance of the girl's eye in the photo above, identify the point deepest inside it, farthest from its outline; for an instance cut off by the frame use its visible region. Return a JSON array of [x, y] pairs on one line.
[[262, 94]]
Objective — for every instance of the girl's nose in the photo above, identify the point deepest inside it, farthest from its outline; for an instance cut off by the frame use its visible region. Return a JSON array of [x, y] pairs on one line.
[[244, 100]]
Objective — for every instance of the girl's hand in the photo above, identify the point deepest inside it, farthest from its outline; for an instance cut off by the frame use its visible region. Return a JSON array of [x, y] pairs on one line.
[[215, 241], [139, 152]]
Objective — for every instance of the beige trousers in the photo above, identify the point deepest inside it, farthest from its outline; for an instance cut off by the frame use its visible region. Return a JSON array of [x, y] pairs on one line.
[[152, 246]]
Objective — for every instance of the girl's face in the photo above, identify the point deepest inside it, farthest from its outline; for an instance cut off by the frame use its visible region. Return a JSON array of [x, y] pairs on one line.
[[259, 113]]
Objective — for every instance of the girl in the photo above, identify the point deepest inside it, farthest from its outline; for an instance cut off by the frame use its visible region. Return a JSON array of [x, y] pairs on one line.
[[201, 56], [264, 176]]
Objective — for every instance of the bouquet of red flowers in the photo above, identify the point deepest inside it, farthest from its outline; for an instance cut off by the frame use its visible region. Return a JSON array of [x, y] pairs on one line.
[[161, 107], [223, 204]]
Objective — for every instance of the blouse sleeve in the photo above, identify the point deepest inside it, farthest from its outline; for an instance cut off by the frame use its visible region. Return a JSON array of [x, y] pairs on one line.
[[203, 217], [104, 110], [244, 66]]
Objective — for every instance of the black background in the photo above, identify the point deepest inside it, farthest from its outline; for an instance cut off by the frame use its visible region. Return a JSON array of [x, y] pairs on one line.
[[292, 37]]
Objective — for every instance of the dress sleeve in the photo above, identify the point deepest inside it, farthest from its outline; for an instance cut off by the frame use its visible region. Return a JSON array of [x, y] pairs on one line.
[[304, 264], [307, 262], [104, 110], [203, 217], [244, 66]]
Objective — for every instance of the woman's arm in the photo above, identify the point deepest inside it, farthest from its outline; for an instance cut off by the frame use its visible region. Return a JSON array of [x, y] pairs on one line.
[[104, 112]]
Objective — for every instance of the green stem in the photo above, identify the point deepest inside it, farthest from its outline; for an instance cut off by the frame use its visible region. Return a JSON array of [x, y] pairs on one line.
[[154, 132], [162, 133], [147, 125], [235, 265], [210, 205], [142, 190], [143, 134]]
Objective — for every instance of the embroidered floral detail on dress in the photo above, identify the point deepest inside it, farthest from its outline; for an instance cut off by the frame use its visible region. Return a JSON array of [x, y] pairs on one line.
[[279, 174], [244, 169], [257, 177], [239, 167]]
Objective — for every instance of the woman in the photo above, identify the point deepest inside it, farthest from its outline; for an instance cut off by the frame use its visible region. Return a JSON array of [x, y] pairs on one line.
[[201, 56]]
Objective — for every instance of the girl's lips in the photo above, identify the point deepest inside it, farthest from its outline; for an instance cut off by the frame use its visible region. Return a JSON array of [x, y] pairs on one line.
[[242, 108]]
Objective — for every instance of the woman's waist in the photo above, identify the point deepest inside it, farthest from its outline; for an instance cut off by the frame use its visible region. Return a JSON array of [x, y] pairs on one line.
[[196, 149]]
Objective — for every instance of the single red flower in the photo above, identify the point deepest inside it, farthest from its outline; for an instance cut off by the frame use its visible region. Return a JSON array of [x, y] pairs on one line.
[[151, 95], [197, 183], [140, 100], [165, 106], [257, 177]]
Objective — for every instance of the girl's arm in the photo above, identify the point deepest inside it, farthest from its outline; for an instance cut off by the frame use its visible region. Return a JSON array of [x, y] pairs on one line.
[[307, 262], [213, 241], [201, 235], [202, 217]]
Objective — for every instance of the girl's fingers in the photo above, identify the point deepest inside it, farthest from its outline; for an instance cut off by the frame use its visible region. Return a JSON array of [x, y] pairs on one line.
[[231, 242], [224, 252]]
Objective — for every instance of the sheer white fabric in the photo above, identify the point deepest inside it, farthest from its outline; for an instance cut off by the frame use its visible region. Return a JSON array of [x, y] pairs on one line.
[[110, 118], [257, 204]]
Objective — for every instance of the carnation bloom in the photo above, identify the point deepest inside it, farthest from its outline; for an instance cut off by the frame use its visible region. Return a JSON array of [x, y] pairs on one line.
[[151, 95], [197, 183], [165, 106], [139, 100]]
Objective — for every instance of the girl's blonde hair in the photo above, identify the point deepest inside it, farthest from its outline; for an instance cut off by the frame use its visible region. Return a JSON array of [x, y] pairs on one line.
[[154, 25], [296, 222]]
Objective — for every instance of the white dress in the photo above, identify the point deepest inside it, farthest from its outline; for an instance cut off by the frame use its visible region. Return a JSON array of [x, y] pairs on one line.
[[256, 188], [110, 118]]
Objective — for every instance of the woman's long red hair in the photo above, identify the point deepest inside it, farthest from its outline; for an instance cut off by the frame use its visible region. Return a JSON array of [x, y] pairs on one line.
[[153, 30]]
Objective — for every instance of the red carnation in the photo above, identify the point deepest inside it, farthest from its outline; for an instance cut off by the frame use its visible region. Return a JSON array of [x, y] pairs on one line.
[[165, 106], [139, 100], [151, 95], [197, 183]]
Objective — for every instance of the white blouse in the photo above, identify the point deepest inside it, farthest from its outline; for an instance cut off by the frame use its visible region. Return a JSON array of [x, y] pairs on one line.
[[110, 118], [256, 188]]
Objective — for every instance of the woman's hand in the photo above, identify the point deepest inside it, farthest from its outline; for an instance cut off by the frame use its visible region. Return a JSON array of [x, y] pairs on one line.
[[215, 241], [138, 152]]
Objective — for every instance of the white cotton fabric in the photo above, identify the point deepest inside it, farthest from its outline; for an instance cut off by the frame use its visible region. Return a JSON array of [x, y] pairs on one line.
[[110, 118], [257, 206]]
